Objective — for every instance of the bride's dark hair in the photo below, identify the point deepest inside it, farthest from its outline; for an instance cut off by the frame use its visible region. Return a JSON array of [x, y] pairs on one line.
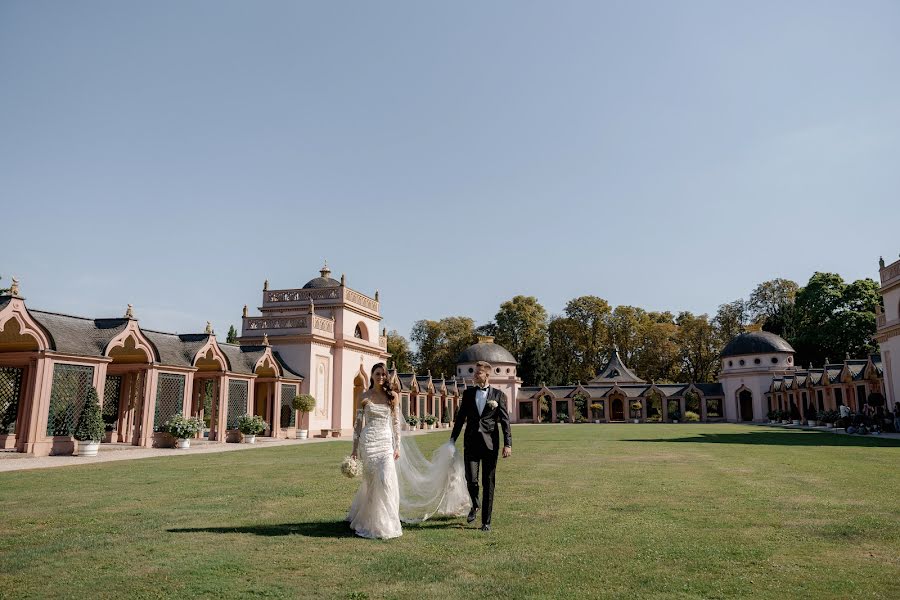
[[386, 387]]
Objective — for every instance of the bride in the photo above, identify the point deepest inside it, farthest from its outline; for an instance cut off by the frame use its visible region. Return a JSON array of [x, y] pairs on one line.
[[399, 485]]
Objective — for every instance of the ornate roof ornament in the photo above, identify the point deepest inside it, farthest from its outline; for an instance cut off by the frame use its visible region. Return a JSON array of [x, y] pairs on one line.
[[266, 339], [245, 311], [266, 285], [14, 288], [325, 271], [129, 312], [209, 329], [881, 261], [376, 295], [312, 306]]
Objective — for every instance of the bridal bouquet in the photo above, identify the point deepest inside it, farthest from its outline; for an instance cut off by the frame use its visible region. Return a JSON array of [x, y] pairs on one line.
[[350, 467]]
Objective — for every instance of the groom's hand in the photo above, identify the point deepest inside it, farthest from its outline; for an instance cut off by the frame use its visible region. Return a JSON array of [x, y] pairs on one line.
[[507, 451]]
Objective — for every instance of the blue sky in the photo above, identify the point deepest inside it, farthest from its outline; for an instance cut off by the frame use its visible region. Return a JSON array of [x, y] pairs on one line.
[[669, 155]]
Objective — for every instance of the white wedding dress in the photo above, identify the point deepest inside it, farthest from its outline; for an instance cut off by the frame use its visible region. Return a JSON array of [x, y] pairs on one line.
[[412, 489]]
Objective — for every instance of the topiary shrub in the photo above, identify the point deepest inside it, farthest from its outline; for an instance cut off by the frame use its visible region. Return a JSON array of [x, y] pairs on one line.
[[90, 422]]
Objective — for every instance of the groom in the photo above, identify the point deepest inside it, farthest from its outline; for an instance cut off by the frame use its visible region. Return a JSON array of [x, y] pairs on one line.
[[482, 408]]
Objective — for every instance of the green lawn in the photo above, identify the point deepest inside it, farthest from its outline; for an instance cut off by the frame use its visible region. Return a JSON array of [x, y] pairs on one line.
[[584, 511]]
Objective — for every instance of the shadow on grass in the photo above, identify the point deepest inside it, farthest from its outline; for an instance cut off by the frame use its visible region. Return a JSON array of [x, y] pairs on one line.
[[335, 529], [787, 438], [332, 529]]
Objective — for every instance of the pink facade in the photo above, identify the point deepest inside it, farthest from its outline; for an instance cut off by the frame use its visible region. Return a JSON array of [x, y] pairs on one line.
[[48, 362]]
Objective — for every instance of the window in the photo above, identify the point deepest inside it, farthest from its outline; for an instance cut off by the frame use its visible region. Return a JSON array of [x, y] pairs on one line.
[[741, 362], [497, 369], [730, 363], [756, 361], [774, 360], [838, 397], [357, 333], [471, 370]]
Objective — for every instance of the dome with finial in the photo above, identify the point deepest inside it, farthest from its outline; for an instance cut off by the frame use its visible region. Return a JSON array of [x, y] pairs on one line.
[[756, 342], [323, 281], [487, 351]]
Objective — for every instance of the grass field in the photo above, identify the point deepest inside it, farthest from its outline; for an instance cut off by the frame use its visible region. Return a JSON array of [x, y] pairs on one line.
[[582, 511]]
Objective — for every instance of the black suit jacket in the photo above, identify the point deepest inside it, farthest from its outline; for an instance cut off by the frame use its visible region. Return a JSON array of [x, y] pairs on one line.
[[482, 430]]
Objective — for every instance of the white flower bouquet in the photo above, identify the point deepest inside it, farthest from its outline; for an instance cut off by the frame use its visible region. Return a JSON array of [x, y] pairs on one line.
[[350, 467]]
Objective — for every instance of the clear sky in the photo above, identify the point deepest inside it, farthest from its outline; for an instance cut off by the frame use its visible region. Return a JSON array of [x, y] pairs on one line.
[[668, 155]]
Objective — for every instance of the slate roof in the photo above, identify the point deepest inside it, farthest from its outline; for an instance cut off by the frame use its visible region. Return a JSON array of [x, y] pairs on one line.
[[857, 368], [616, 371], [79, 335], [486, 351], [876, 362], [756, 342]]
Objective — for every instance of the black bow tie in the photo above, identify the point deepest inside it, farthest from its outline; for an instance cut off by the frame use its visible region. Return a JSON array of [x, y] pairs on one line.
[[478, 387]]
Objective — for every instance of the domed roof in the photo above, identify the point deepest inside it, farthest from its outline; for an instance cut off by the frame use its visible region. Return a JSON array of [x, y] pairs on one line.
[[488, 351], [756, 342], [324, 281]]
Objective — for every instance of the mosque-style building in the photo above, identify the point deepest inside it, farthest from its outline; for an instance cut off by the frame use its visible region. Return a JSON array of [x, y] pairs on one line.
[[323, 338]]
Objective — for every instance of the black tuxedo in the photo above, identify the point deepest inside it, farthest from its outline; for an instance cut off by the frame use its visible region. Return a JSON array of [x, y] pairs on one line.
[[481, 443]]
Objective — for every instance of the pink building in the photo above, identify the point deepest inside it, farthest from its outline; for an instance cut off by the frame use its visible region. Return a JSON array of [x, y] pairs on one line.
[[49, 361], [330, 334]]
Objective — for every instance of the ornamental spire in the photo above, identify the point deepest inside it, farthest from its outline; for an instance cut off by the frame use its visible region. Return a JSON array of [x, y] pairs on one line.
[[325, 271]]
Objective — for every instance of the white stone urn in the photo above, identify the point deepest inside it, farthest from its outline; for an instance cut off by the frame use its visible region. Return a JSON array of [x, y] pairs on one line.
[[302, 434], [183, 443], [88, 448], [811, 423], [249, 439], [597, 421], [675, 421], [636, 421]]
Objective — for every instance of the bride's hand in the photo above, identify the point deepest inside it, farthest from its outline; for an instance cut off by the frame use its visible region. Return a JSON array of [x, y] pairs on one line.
[[396, 455]]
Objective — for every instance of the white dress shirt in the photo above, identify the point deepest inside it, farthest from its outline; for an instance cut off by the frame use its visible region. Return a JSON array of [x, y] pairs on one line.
[[481, 399]]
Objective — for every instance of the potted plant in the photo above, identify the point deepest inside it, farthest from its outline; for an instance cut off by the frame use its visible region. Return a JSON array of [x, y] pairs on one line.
[[89, 430], [412, 421], [636, 407], [183, 429], [675, 415], [430, 420], [562, 418], [445, 418], [810, 415], [304, 404], [795, 414], [598, 410], [771, 415], [251, 426]]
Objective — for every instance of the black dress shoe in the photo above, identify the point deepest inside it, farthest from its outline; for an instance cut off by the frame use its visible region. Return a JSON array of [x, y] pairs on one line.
[[485, 527], [472, 513]]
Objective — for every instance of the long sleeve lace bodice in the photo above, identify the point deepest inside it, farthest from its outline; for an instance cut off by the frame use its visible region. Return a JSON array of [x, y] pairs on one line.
[[375, 511]]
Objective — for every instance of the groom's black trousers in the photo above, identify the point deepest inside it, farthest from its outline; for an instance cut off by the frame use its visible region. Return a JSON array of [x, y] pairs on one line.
[[487, 460]]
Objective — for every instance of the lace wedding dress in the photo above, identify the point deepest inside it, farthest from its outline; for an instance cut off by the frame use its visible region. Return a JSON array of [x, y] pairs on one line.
[[412, 489], [375, 511]]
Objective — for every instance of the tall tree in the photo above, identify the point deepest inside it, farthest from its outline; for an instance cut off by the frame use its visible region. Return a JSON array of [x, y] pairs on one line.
[[398, 347], [699, 347], [833, 318], [771, 303], [658, 358], [625, 326], [232, 336], [731, 320], [590, 315], [439, 343], [521, 323], [565, 353]]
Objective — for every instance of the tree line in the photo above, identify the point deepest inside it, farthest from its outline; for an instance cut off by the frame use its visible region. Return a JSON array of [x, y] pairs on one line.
[[826, 318]]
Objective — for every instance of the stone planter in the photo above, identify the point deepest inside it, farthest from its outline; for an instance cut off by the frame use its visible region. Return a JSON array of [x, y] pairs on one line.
[[302, 434], [636, 421], [88, 448], [597, 421], [811, 423], [675, 421], [249, 439], [183, 443], [796, 421]]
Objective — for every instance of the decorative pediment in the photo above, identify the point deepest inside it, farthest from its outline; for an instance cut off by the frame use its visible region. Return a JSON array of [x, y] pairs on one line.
[[19, 331], [131, 346]]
